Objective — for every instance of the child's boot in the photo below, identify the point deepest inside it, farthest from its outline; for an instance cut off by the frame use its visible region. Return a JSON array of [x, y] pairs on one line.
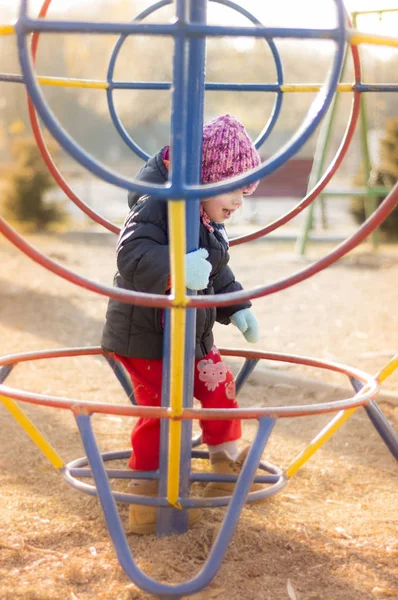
[[222, 464], [142, 519]]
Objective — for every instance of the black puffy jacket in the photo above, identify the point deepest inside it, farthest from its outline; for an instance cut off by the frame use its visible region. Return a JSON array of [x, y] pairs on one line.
[[143, 266]]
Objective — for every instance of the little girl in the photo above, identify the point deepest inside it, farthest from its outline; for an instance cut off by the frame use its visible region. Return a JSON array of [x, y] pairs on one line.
[[134, 334]]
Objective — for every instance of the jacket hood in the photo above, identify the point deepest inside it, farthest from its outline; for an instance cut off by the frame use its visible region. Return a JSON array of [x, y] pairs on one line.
[[154, 171]]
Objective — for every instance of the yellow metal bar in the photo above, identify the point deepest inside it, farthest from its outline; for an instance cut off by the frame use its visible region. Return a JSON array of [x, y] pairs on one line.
[[7, 29], [335, 423], [345, 87], [380, 11], [73, 83], [313, 87], [178, 319], [33, 433], [388, 369], [103, 85], [319, 440], [358, 37]]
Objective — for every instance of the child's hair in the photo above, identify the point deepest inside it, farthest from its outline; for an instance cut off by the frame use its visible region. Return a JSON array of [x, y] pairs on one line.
[[227, 151]]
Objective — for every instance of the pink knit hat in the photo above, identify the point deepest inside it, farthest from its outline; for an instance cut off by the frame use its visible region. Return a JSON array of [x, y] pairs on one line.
[[227, 151]]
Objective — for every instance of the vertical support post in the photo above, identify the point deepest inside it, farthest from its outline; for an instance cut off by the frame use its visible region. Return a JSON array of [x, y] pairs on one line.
[[188, 103], [370, 199], [177, 346], [318, 167], [194, 129], [166, 516]]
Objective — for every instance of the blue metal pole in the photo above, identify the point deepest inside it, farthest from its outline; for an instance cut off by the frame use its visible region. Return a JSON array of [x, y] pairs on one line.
[[114, 524], [182, 32], [247, 369], [238, 499], [122, 376], [171, 520], [4, 372], [380, 421], [165, 514], [195, 84]]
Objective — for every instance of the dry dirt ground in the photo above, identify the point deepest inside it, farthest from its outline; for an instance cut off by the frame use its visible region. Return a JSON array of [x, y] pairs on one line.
[[330, 535]]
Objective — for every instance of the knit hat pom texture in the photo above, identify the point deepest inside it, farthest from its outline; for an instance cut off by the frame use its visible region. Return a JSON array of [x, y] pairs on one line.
[[227, 151]]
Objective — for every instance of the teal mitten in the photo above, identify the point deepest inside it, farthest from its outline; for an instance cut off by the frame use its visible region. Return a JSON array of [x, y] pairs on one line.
[[197, 269], [247, 323]]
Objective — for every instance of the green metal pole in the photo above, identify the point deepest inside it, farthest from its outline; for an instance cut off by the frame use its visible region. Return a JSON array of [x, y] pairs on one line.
[[318, 166]]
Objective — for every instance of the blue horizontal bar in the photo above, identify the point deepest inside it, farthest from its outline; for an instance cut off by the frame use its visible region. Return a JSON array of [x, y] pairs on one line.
[[267, 33], [116, 473], [140, 85], [243, 87], [44, 25], [276, 483], [189, 29], [82, 462], [11, 78], [210, 86], [376, 87], [76, 469], [129, 474], [232, 478], [214, 86]]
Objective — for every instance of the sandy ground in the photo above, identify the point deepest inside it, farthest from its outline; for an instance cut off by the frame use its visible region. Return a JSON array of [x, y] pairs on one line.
[[330, 535]]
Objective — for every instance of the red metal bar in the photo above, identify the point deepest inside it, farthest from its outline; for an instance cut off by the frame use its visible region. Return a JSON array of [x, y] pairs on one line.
[[46, 154], [222, 299], [111, 292], [162, 301], [14, 359], [88, 407], [235, 352], [330, 171], [385, 208]]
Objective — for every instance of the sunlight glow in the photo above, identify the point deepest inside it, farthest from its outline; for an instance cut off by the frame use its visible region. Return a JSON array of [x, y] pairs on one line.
[[307, 13], [287, 13]]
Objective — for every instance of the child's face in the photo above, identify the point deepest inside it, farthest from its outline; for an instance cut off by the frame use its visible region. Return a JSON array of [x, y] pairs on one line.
[[220, 208]]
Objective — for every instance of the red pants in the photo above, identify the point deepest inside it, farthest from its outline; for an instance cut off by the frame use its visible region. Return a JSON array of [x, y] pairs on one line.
[[214, 387]]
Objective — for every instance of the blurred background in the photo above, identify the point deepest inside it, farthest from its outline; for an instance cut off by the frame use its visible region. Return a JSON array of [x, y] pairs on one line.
[[146, 114]]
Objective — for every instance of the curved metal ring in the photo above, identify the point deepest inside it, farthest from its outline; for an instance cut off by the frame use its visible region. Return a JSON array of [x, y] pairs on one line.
[[164, 301], [330, 171], [369, 389], [124, 134], [314, 116], [76, 468], [45, 153]]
